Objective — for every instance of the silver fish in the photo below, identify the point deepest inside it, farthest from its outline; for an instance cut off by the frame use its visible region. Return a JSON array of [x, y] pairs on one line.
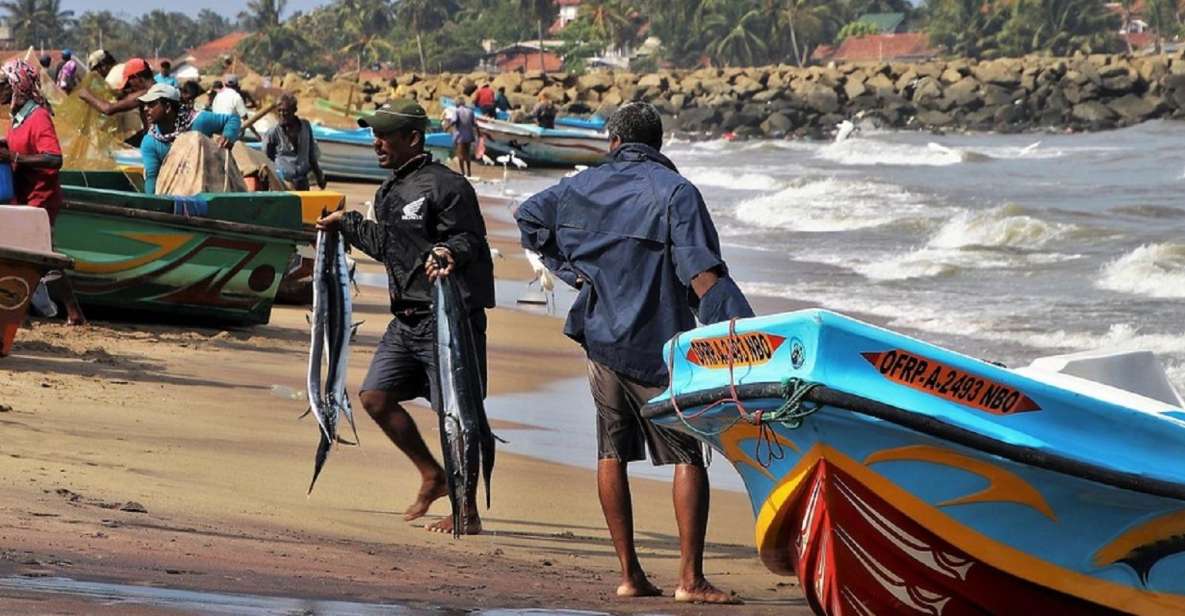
[[326, 310], [466, 439]]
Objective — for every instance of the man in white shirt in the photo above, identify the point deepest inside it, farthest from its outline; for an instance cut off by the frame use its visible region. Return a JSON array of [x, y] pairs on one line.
[[228, 101]]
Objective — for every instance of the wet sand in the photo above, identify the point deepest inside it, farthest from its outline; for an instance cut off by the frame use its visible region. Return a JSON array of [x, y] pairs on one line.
[[159, 454]]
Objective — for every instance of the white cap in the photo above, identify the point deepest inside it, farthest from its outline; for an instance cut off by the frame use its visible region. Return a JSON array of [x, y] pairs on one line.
[[159, 91]]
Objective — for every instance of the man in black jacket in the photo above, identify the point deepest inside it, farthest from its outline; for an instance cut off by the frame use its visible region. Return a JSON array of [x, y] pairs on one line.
[[423, 209]]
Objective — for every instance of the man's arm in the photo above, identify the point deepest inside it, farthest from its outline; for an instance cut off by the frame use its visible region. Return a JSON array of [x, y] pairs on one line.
[[128, 103], [315, 157], [459, 226], [272, 142], [368, 236], [695, 247], [537, 220], [150, 159]]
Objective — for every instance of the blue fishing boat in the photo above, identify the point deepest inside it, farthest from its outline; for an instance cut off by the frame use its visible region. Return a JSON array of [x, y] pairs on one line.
[[349, 153], [544, 147], [592, 122], [898, 477]]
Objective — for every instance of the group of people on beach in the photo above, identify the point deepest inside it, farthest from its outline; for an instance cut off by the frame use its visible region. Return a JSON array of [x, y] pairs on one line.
[[637, 241]]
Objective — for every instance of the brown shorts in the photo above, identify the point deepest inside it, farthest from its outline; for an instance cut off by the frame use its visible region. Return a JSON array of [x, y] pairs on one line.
[[623, 434]]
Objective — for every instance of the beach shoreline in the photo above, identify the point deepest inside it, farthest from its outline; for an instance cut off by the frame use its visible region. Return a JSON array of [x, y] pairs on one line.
[[183, 423]]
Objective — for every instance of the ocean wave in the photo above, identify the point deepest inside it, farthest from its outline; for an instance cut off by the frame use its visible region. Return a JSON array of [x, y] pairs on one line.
[[1151, 211], [721, 178], [832, 204], [1152, 270], [1118, 337], [868, 152], [1001, 227]]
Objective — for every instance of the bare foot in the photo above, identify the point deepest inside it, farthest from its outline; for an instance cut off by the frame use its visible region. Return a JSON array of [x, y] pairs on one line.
[[704, 592], [430, 490], [638, 588], [445, 525]]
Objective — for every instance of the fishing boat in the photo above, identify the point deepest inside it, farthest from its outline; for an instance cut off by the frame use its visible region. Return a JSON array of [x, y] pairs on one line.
[[544, 147], [592, 122], [26, 254], [898, 477], [218, 257], [349, 153]]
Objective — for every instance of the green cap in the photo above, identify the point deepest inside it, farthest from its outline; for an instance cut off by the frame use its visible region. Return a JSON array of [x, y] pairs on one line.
[[396, 115]]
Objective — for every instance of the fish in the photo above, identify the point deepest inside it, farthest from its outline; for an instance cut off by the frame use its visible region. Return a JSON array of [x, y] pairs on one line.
[[466, 440], [330, 333]]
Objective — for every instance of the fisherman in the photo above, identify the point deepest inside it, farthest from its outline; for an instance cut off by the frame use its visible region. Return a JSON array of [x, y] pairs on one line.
[[485, 101], [168, 118], [501, 103], [165, 75], [32, 149], [544, 112], [424, 210], [137, 79], [69, 72], [191, 91], [291, 146], [100, 62], [465, 134], [228, 100], [637, 240]]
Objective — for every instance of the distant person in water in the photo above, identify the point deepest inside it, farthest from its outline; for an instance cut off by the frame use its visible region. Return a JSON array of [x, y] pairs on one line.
[[32, 149], [291, 146], [544, 112], [169, 118], [636, 238]]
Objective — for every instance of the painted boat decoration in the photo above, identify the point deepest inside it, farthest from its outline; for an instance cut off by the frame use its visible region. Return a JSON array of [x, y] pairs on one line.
[[897, 477], [26, 254], [542, 147], [218, 257]]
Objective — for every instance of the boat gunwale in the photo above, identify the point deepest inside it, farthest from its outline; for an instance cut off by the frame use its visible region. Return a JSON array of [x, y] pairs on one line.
[[41, 259], [208, 224], [930, 426]]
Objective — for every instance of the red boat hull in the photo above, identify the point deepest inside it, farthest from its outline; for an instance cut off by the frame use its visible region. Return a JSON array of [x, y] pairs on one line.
[[855, 554], [17, 282]]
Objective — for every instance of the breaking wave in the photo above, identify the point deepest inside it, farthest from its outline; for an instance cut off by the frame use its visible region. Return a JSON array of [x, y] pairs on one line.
[[830, 205], [867, 152], [1001, 227], [1152, 270], [720, 178]]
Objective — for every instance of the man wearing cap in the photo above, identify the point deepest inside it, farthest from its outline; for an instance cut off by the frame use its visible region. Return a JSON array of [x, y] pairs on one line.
[[424, 210], [229, 101], [100, 62], [137, 79], [168, 118]]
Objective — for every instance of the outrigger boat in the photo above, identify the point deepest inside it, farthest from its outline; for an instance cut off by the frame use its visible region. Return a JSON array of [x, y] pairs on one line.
[[897, 477], [544, 147], [216, 256], [26, 254], [349, 154]]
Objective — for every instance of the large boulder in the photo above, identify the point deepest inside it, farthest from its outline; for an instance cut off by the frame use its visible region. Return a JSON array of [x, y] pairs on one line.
[[935, 119], [1000, 72], [821, 98], [510, 81], [532, 87], [597, 81], [653, 80], [854, 87], [1134, 108], [746, 86], [881, 85], [1119, 82], [926, 89], [777, 125], [963, 92], [1093, 113], [699, 119]]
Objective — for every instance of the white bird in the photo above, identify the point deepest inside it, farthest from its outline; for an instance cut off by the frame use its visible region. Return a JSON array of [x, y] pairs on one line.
[[846, 128], [370, 211], [487, 161], [545, 279]]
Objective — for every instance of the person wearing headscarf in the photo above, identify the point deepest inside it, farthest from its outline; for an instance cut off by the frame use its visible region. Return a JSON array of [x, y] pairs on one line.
[[168, 118], [33, 151]]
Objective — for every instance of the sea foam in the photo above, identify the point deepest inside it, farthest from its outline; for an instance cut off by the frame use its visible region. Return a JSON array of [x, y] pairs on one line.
[[1152, 270], [719, 178], [830, 205]]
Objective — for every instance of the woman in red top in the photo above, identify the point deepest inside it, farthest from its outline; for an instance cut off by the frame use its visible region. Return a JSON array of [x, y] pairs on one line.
[[33, 150]]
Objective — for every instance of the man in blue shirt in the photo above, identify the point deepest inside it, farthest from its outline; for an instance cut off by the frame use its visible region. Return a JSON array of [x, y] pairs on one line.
[[637, 240]]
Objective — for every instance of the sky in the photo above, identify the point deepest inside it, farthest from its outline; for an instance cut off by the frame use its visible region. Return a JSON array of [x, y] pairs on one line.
[[229, 9]]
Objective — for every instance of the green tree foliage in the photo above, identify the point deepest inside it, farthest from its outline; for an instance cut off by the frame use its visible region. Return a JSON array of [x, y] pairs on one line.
[[37, 23], [984, 29], [857, 29]]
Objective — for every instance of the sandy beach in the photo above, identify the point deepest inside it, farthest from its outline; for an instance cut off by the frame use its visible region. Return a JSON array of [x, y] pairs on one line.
[[167, 455]]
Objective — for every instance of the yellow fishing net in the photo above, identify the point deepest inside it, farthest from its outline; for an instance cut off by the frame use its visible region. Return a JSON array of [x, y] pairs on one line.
[[88, 137]]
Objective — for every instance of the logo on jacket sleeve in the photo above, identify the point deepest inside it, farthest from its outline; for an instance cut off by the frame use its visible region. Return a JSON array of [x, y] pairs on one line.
[[414, 210]]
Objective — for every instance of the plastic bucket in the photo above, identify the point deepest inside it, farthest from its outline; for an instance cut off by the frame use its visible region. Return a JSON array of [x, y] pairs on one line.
[[5, 183]]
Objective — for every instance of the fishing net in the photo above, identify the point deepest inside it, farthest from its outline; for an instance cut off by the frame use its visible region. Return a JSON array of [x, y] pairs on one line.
[[87, 136], [196, 164]]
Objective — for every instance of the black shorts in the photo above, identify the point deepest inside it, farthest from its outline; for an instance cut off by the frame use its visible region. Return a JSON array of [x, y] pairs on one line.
[[623, 434], [407, 353]]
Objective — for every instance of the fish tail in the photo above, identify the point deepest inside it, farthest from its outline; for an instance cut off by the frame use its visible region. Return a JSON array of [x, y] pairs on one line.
[[319, 461]]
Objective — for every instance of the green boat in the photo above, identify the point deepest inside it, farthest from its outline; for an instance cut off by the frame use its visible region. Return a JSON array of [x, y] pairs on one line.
[[216, 257]]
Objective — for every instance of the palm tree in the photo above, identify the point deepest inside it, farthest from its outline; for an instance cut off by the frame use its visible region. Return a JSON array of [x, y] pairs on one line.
[[36, 22], [541, 10], [210, 25], [742, 43], [55, 22], [168, 33], [364, 23], [799, 19], [95, 27], [611, 20], [421, 15], [263, 14]]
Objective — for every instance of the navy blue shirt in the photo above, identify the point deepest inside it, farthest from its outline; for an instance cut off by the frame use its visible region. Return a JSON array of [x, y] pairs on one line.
[[631, 233]]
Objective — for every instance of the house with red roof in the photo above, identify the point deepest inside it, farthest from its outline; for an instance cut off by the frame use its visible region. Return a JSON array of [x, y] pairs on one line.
[[206, 57], [902, 47]]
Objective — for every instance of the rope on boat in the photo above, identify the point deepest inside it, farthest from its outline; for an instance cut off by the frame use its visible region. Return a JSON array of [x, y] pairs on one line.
[[791, 413]]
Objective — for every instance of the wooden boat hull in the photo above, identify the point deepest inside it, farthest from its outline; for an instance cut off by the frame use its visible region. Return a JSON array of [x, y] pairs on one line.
[[1004, 493], [132, 253], [25, 256], [543, 147], [349, 154]]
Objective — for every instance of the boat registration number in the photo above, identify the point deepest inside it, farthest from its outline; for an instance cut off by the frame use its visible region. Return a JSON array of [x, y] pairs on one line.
[[950, 383], [751, 349]]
